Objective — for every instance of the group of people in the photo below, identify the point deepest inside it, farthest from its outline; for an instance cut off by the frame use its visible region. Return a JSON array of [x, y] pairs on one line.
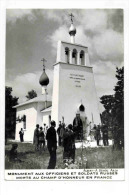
[[101, 132], [67, 140], [39, 138]]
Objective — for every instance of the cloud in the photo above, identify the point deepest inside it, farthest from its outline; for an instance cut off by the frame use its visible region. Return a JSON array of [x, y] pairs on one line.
[[14, 14], [26, 82], [105, 80], [109, 45], [99, 29], [94, 21]]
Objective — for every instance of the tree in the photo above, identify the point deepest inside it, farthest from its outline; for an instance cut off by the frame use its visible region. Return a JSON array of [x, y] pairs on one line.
[[113, 116], [31, 94], [10, 113]]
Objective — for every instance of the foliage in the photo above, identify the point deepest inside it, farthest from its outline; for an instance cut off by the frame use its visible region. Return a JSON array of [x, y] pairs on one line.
[[10, 113], [31, 94], [113, 116]]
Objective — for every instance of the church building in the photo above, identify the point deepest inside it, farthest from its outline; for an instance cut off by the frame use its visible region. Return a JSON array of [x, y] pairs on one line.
[[74, 92]]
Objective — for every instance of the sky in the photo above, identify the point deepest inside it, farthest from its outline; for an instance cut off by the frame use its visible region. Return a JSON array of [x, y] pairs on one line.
[[32, 34]]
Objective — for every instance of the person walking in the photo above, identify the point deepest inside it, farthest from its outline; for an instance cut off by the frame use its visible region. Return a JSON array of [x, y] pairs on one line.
[[21, 133], [36, 138], [41, 139], [52, 145]]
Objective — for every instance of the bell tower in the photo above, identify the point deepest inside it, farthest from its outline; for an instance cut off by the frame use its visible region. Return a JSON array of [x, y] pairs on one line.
[[73, 85]]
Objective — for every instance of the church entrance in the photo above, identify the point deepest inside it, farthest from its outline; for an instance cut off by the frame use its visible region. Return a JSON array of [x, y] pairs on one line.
[[78, 127]]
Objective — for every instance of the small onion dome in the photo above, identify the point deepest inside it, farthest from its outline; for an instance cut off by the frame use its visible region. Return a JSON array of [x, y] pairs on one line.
[[72, 30], [44, 80]]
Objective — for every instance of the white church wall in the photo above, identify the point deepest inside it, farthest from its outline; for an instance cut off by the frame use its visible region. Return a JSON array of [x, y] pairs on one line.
[[72, 85], [46, 119], [41, 106], [31, 115]]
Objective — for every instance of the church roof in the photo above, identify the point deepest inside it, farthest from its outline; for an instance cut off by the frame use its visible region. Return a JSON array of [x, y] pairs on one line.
[[40, 98], [47, 109]]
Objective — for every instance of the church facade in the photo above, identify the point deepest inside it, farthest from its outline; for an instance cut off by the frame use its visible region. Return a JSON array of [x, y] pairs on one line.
[[74, 92]]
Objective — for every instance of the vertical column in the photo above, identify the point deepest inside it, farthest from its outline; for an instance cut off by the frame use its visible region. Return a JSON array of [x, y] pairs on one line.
[[72, 37], [74, 60], [85, 58], [78, 57], [70, 57], [87, 62]]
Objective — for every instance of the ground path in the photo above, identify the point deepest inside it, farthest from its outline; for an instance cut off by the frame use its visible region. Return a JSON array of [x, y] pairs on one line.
[[97, 157]]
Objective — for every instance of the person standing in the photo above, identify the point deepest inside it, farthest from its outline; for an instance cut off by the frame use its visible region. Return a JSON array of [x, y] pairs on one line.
[[41, 139], [59, 135], [62, 130], [52, 145], [36, 138], [98, 134], [78, 127], [105, 135], [69, 144], [21, 133]]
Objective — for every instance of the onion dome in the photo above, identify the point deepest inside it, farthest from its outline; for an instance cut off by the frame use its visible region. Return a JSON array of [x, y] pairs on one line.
[[44, 80], [72, 30]]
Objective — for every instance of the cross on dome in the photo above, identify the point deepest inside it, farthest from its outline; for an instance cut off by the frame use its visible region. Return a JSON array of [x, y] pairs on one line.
[[43, 60], [44, 80], [71, 15], [72, 29]]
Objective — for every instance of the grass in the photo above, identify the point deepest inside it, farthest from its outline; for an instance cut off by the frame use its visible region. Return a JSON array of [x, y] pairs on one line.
[[102, 157]]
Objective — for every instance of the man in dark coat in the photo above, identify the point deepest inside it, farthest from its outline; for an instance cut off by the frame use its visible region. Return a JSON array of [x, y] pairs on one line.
[[21, 133], [59, 135], [78, 127], [98, 136], [52, 145], [105, 135]]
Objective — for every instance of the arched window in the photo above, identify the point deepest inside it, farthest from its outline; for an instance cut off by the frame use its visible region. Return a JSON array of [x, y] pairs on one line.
[[67, 55], [74, 56], [24, 121], [81, 108], [82, 57]]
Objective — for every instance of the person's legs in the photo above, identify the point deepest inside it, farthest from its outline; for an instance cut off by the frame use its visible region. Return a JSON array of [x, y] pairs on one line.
[[44, 145], [52, 160], [40, 145], [59, 141], [97, 142], [73, 155], [104, 143]]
